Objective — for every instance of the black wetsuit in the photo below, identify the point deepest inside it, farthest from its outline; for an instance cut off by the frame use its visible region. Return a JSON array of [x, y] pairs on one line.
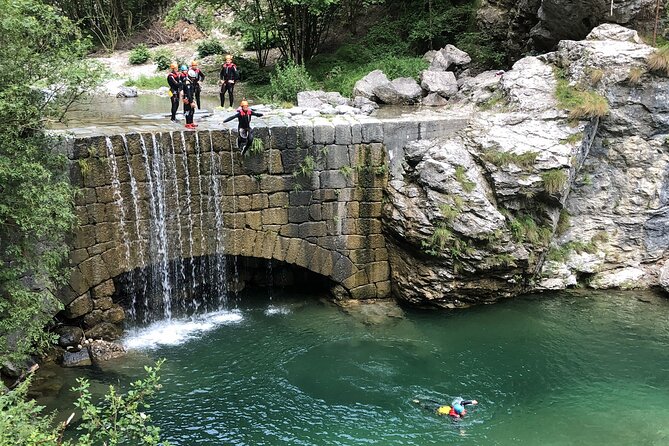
[[174, 81], [244, 127], [198, 89], [229, 74], [189, 97]]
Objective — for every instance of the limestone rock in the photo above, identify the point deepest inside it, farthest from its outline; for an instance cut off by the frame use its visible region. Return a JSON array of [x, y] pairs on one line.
[[530, 85], [611, 31], [441, 82], [624, 278], [365, 105], [318, 98], [434, 100], [365, 87], [403, 90], [79, 306], [449, 58], [104, 350], [664, 276], [127, 92], [106, 331]]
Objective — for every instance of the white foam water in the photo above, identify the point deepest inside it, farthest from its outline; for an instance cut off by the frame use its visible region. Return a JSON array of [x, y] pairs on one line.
[[177, 331], [272, 310]]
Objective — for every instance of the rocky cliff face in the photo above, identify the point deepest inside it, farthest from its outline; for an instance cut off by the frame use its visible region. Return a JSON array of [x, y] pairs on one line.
[[475, 217], [538, 25]]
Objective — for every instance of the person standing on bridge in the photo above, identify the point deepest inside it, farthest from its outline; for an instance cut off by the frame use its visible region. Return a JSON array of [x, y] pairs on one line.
[[189, 84], [243, 115], [174, 82], [199, 77], [227, 78]]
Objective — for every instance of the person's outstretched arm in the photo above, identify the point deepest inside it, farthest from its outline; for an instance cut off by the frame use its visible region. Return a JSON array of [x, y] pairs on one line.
[[230, 118], [469, 402], [255, 113]]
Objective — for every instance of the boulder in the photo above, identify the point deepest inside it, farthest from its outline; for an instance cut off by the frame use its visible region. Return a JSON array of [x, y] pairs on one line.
[[114, 315], [106, 331], [664, 277], [434, 100], [81, 358], [365, 105], [69, 336], [611, 31], [365, 87], [530, 85], [441, 82], [403, 90], [449, 58], [127, 92], [347, 110], [319, 98], [105, 350]]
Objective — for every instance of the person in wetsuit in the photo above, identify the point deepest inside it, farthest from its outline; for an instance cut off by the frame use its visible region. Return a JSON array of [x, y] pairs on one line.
[[227, 78], [198, 78], [188, 87], [456, 410], [174, 82], [243, 115]]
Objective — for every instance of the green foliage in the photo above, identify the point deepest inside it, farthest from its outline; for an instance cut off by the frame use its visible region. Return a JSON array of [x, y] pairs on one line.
[[139, 55], [147, 82], [500, 158], [485, 51], [163, 57], [306, 167], [461, 177], [581, 104], [197, 12], [561, 253], [22, 421], [525, 229], [554, 180], [288, 80], [257, 146], [438, 241], [210, 47], [118, 420], [347, 171], [449, 212], [36, 209]]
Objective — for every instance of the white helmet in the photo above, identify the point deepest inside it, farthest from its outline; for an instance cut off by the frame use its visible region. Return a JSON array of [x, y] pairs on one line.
[[192, 74]]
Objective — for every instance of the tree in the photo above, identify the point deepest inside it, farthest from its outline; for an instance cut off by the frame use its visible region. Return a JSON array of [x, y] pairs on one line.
[[300, 26], [47, 73]]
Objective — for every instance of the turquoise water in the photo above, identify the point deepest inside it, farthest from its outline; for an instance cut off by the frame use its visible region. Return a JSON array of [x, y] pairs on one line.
[[590, 369]]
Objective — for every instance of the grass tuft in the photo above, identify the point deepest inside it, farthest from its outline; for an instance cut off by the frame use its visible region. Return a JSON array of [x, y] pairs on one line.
[[659, 60], [635, 75], [499, 158], [554, 180]]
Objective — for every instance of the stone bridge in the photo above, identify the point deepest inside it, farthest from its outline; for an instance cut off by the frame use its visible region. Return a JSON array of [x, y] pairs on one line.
[[156, 199]]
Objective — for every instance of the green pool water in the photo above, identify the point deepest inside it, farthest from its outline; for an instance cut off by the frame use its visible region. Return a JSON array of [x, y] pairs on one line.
[[568, 369]]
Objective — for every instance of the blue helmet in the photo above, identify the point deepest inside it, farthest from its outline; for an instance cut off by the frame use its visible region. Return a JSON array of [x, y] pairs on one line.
[[458, 409], [184, 68]]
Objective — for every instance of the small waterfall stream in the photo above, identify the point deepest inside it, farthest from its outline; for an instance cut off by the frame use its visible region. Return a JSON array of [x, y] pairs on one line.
[[178, 272]]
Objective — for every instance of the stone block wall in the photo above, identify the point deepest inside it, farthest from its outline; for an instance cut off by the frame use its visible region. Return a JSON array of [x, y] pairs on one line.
[[311, 197]]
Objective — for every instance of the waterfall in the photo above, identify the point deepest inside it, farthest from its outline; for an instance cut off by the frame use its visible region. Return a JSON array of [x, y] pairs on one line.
[[234, 209], [203, 246], [118, 201], [189, 212], [180, 274], [219, 271], [139, 239]]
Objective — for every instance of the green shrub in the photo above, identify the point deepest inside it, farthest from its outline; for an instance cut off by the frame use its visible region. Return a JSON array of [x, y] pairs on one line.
[[139, 55], [564, 222], [147, 82], [288, 80], [461, 177], [485, 51], [210, 47], [163, 58]]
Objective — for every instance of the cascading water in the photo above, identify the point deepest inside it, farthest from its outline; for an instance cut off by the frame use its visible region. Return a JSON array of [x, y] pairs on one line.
[[175, 276], [139, 239], [218, 278], [189, 213], [234, 207]]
